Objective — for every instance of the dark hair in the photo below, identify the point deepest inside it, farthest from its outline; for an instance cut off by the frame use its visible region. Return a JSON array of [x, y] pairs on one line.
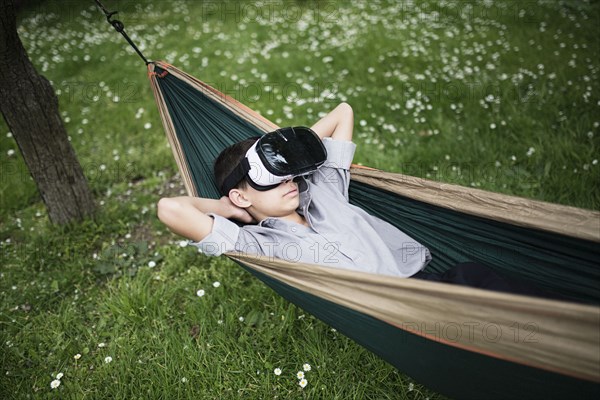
[[229, 158]]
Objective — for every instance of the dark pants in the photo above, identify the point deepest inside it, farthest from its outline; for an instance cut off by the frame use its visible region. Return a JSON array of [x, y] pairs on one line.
[[480, 276]]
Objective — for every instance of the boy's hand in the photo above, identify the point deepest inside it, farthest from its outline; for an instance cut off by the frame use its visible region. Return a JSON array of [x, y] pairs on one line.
[[232, 211]]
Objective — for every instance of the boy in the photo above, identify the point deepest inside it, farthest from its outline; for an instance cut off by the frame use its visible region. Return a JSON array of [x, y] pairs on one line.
[[308, 219], [303, 219]]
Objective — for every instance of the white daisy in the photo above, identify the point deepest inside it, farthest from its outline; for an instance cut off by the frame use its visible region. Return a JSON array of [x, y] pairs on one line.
[[277, 371], [303, 383], [55, 383], [306, 367]]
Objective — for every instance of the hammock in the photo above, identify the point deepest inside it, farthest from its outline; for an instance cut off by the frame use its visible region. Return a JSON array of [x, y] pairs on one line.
[[460, 341]]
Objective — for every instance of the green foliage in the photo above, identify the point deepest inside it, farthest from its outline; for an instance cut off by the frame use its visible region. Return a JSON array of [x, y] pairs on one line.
[[114, 261]]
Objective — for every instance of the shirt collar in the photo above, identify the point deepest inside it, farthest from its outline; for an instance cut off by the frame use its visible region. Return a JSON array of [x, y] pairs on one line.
[[267, 222], [305, 196]]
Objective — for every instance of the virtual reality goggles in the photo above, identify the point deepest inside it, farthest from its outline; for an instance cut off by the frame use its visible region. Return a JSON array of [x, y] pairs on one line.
[[277, 157]]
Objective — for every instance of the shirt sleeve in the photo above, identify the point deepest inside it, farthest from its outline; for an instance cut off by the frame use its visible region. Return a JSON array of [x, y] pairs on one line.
[[340, 153], [221, 239], [334, 174]]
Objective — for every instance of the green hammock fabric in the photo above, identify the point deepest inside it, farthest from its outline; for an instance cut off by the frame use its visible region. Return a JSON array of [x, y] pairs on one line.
[[565, 265], [561, 264]]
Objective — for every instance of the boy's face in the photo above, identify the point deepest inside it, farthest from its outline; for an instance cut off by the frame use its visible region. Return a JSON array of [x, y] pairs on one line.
[[280, 201]]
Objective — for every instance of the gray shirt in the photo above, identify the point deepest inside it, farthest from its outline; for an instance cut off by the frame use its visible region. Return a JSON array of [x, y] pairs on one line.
[[339, 234]]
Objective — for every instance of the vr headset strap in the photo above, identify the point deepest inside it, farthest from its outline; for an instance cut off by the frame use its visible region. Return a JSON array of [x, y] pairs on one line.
[[235, 176]]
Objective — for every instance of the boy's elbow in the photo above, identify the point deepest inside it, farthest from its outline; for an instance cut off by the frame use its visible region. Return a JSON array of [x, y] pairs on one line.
[[345, 125], [165, 208], [346, 107], [184, 219]]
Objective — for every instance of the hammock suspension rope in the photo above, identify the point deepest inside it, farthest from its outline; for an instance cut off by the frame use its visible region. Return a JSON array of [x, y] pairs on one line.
[[120, 27]]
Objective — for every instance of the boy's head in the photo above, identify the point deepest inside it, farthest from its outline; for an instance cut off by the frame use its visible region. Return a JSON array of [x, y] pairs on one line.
[[273, 201], [269, 160], [229, 159]]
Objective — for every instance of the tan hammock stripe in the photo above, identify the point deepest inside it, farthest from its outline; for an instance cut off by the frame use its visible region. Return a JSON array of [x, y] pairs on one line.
[[551, 335], [169, 128], [566, 220]]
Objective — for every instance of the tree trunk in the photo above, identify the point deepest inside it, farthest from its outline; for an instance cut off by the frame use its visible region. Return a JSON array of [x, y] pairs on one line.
[[30, 109]]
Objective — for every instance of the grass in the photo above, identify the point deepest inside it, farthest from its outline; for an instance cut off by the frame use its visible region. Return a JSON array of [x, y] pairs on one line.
[[420, 84]]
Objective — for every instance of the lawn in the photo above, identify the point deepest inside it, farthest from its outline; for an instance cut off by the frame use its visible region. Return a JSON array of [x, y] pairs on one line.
[[501, 96]]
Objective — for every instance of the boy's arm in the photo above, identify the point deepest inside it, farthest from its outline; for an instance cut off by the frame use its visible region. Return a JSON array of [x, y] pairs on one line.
[[335, 129], [338, 124], [187, 216]]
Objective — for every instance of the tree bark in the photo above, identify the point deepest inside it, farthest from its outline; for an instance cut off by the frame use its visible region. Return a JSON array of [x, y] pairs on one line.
[[30, 108]]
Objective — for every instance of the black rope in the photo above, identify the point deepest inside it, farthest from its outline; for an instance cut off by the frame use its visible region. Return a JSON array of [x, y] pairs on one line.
[[119, 27]]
